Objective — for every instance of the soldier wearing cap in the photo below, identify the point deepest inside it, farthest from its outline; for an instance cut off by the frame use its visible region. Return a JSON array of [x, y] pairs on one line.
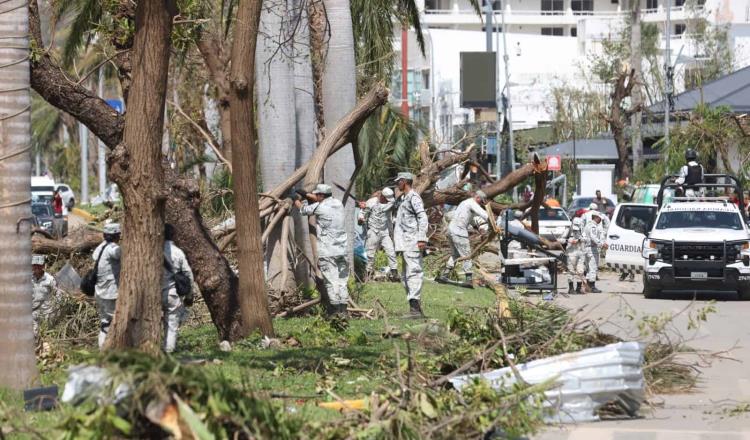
[[376, 214], [44, 292], [458, 233], [332, 244], [602, 226], [410, 239], [593, 240], [172, 304], [107, 277]]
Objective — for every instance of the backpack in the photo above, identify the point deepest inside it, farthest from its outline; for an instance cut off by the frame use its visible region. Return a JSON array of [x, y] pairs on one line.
[[694, 175], [181, 281], [88, 282]]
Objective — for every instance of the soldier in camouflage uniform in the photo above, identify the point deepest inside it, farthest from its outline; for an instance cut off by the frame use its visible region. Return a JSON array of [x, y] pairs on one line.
[[410, 237], [331, 245], [576, 256], [44, 292], [458, 233], [377, 215]]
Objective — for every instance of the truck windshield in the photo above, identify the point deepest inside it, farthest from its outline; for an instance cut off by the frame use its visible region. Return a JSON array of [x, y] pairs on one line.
[[700, 219], [552, 215]]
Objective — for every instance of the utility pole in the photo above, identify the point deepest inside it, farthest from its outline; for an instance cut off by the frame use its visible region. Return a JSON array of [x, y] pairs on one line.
[[636, 95], [101, 156], [488, 31], [405, 72], [83, 136], [668, 67]]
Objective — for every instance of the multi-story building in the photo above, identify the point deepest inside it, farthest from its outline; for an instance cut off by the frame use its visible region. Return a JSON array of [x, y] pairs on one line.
[[549, 44]]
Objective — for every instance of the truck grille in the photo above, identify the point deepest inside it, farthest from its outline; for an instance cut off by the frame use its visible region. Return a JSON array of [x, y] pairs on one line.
[[699, 252]]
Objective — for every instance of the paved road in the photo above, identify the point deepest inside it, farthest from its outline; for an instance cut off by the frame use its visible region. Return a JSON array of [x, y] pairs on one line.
[[702, 415]]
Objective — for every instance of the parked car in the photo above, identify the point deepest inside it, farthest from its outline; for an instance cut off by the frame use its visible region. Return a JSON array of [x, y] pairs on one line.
[[44, 218], [555, 224], [69, 198], [584, 202]]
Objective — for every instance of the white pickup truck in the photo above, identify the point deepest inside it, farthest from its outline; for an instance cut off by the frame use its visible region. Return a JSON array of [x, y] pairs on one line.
[[695, 244]]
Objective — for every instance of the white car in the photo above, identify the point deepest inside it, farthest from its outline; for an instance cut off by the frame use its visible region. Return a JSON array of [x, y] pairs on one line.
[[688, 245], [69, 198], [554, 223], [42, 188]]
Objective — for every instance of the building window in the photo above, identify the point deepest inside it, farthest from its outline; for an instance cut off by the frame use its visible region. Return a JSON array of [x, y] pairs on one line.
[[496, 4], [679, 2], [574, 32], [552, 7], [582, 7], [652, 4], [615, 2], [553, 31], [679, 28]]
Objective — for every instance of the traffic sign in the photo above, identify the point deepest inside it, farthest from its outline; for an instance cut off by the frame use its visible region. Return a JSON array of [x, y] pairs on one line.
[[554, 163]]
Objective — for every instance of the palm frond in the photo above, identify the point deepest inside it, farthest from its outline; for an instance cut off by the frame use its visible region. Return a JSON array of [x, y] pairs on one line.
[[85, 15]]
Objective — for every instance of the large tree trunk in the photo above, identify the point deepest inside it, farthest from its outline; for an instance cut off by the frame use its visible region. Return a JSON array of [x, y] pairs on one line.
[[252, 288], [339, 97], [304, 106], [136, 167], [276, 123], [17, 361]]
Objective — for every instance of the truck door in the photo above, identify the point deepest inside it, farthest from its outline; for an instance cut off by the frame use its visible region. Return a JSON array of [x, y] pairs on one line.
[[626, 233]]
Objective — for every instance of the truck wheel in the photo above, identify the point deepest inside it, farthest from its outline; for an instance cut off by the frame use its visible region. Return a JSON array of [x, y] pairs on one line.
[[649, 292], [744, 294]]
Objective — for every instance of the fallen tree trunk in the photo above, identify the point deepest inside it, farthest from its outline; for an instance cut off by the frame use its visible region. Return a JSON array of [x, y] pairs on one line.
[[76, 243], [454, 196]]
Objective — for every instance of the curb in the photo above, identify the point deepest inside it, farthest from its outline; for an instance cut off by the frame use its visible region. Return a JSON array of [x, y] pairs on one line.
[[83, 214]]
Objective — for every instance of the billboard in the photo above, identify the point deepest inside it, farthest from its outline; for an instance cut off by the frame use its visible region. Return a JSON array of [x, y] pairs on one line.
[[478, 79]]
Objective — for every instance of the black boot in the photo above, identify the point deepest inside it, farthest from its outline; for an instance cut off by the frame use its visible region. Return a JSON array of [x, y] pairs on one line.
[[623, 276], [444, 276], [394, 277], [578, 288], [415, 310], [571, 290], [592, 287], [469, 281]]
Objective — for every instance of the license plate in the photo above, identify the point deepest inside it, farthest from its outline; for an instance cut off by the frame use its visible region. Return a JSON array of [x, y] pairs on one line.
[[699, 275]]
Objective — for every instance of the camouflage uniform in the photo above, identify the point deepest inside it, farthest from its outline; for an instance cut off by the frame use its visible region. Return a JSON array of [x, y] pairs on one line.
[[411, 228], [331, 247], [377, 215], [458, 232], [174, 310], [107, 281], [43, 298], [576, 252], [593, 241]]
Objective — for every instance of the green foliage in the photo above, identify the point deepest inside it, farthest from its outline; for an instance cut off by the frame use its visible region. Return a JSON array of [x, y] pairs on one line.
[[712, 133], [224, 407], [387, 143]]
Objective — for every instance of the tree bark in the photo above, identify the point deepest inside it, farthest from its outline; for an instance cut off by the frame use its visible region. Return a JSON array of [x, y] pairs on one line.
[[339, 95], [277, 130], [17, 361], [77, 242], [252, 288], [135, 165], [622, 88]]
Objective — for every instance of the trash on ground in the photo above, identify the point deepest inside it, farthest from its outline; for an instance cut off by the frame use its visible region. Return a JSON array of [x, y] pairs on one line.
[[40, 399], [584, 381], [68, 279], [89, 381]]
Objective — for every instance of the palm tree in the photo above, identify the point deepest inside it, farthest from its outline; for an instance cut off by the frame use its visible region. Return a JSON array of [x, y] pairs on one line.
[[17, 361], [276, 121]]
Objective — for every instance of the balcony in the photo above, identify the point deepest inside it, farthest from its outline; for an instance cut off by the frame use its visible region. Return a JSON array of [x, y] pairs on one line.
[[452, 17]]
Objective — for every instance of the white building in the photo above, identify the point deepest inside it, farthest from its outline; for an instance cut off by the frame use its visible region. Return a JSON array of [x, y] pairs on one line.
[[549, 42]]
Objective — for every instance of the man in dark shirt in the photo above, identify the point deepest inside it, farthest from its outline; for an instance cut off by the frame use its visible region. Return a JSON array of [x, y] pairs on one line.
[[601, 203]]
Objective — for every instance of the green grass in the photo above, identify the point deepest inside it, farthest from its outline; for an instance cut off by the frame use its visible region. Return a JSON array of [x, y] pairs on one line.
[[352, 363]]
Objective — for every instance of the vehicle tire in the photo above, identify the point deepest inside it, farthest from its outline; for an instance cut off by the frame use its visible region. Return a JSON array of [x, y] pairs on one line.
[[744, 294], [71, 204], [649, 292]]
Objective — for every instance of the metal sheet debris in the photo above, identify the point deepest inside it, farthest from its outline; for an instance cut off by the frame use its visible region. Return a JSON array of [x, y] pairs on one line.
[[584, 381]]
